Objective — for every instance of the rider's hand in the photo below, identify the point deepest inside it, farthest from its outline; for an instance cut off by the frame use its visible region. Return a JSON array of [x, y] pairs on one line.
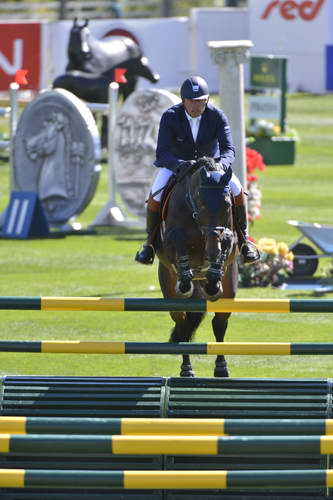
[[184, 165]]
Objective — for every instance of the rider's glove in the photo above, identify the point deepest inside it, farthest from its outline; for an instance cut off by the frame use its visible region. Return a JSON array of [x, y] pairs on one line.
[[184, 165]]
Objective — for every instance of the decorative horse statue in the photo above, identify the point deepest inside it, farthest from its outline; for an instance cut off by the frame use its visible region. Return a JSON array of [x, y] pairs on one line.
[[92, 63], [197, 251]]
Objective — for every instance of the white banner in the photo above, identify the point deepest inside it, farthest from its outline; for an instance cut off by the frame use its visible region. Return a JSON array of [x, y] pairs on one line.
[[298, 29], [262, 106]]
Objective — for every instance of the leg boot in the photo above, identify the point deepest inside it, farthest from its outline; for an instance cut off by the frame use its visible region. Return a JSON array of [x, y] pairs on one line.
[[247, 249], [147, 253]]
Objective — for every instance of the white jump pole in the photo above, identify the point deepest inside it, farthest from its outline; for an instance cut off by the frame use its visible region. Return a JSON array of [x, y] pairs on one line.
[[111, 214]]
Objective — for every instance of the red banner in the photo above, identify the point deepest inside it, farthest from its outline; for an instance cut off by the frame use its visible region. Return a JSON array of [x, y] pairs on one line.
[[20, 48]]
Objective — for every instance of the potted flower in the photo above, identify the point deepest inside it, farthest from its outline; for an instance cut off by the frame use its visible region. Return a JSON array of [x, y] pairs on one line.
[[254, 161], [275, 265], [276, 148]]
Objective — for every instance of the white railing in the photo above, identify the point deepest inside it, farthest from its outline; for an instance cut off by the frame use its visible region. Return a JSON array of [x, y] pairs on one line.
[[96, 9], [50, 10]]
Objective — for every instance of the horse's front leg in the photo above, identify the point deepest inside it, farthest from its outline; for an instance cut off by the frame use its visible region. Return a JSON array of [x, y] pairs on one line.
[[217, 250], [184, 286], [183, 331], [220, 320]]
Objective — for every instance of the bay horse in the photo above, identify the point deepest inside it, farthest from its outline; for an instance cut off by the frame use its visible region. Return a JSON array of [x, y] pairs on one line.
[[197, 251]]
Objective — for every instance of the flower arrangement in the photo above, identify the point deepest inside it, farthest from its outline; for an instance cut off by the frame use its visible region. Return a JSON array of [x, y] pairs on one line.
[[275, 264], [254, 161], [265, 128]]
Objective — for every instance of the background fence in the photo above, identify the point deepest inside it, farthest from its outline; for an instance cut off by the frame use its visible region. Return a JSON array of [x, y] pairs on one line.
[[97, 9]]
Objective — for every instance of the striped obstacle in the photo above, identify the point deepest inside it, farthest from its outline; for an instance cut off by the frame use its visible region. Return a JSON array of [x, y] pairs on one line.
[[164, 426], [209, 348], [194, 305], [147, 480], [164, 445]]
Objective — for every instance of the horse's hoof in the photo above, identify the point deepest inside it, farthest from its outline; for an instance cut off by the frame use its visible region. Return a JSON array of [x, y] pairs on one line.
[[186, 371], [221, 371], [213, 292], [184, 290]]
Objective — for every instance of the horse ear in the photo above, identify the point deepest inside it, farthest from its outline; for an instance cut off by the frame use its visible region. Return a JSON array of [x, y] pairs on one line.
[[75, 21], [86, 23], [227, 176], [203, 174]]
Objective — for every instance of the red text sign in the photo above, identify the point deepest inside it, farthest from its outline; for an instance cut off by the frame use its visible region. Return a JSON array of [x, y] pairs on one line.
[[20, 47], [290, 9]]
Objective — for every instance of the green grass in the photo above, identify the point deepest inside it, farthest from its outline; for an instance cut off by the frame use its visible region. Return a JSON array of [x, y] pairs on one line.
[[103, 266]]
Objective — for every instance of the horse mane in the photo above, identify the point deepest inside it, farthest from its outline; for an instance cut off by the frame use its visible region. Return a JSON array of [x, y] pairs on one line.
[[209, 163]]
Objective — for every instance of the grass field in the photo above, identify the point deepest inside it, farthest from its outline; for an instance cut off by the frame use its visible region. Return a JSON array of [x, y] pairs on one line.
[[103, 266]]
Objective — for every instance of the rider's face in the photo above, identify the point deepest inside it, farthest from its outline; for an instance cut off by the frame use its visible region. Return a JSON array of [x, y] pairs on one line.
[[195, 107]]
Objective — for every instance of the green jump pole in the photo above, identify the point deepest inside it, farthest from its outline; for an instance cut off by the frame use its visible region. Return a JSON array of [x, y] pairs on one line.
[[209, 348], [198, 479], [164, 445], [144, 304], [164, 426]]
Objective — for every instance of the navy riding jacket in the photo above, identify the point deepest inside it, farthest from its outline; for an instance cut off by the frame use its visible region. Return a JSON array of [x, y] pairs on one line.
[[175, 141]]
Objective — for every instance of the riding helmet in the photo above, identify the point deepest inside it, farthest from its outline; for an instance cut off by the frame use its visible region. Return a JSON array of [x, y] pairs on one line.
[[194, 87]]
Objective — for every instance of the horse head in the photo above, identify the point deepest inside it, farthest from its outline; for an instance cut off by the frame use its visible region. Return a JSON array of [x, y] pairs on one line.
[[209, 201], [78, 52]]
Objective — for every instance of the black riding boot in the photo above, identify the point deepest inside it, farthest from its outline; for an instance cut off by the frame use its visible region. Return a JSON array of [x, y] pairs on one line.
[[147, 254], [248, 251]]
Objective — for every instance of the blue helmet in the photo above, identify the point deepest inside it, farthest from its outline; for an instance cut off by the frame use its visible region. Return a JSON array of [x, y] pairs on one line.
[[194, 87]]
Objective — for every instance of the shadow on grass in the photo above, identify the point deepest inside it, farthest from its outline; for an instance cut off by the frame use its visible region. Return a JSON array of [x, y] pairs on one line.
[[121, 233]]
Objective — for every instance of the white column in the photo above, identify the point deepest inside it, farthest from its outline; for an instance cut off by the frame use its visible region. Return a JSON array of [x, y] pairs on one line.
[[231, 56]]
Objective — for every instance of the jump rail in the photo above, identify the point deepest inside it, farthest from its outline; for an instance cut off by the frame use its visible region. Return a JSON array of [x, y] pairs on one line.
[[165, 426], [209, 348], [144, 304], [52, 444], [27, 478]]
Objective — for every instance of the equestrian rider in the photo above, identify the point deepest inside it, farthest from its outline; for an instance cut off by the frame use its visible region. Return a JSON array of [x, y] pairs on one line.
[[188, 131]]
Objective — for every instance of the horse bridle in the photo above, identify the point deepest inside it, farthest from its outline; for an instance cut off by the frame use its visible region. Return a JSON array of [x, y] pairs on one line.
[[205, 229]]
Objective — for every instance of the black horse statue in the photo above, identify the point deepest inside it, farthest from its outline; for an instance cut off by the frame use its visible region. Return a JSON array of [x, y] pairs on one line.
[[92, 64], [197, 251]]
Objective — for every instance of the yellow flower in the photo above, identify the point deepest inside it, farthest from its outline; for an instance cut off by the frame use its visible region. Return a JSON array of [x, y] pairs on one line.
[[268, 245], [282, 249], [290, 256]]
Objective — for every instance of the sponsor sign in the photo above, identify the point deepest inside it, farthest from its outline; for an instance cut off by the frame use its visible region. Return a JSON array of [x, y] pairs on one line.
[[307, 10], [268, 107], [20, 47], [298, 30], [266, 72]]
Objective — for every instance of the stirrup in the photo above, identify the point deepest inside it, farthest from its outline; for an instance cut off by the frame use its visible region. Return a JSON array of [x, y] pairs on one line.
[[250, 253], [146, 255]]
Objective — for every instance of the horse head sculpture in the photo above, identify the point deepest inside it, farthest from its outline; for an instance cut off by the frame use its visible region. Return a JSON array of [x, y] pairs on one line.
[[92, 64]]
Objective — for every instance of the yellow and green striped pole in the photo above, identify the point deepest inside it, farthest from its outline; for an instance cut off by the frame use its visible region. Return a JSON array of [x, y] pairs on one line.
[[164, 445], [164, 426], [209, 348], [198, 479], [146, 304]]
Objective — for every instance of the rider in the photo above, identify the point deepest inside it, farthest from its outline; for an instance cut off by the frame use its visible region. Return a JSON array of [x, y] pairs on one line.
[[188, 131]]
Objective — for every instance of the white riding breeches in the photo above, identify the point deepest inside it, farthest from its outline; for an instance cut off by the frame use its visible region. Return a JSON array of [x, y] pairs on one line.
[[164, 175]]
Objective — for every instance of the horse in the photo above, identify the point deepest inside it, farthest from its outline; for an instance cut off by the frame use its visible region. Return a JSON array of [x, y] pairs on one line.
[[92, 63], [197, 251]]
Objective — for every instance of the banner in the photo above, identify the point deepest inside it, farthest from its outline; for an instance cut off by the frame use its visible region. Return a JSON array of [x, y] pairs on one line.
[[20, 48]]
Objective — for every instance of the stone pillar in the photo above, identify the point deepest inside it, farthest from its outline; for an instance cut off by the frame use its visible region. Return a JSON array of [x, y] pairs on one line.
[[231, 56]]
